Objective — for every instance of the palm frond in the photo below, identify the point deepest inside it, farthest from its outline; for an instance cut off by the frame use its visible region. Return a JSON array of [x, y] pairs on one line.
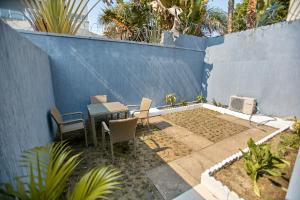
[[96, 184]]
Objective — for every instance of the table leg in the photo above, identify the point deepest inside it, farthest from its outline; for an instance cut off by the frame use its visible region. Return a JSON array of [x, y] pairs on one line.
[[94, 131]]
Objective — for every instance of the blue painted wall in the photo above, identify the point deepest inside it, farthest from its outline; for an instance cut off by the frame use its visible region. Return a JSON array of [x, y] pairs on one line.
[[26, 95], [263, 63], [125, 71]]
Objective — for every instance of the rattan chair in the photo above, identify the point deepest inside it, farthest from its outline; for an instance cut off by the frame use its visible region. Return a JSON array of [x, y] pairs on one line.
[[142, 113], [98, 99], [65, 126], [120, 130]]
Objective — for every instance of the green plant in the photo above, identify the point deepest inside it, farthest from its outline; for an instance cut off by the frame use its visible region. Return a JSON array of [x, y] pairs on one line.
[[296, 126], [59, 16], [170, 99], [183, 103], [291, 140], [200, 99], [215, 103], [49, 169], [259, 161]]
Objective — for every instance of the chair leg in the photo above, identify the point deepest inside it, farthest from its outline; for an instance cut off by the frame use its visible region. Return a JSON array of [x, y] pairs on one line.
[[112, 151], [61, 137], [148, 124], [85, 135], [134, 148]]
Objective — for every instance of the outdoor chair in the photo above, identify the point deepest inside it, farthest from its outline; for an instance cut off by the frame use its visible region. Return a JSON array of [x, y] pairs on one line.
[[98, 99], [120, 130], [142, 113], [65, 126]]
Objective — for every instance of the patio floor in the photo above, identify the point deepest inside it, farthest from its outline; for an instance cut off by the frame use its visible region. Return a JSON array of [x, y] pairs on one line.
[[171, 157]]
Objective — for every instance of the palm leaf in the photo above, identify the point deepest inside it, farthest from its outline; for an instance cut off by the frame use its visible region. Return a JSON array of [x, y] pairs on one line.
[[96, 184]]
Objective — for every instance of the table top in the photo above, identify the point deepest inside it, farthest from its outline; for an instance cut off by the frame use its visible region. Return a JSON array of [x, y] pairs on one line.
[[106, 108]]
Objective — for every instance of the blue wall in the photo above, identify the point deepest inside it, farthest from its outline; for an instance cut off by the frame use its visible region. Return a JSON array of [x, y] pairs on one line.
[[263, 63], [26, 95], [125, 71]]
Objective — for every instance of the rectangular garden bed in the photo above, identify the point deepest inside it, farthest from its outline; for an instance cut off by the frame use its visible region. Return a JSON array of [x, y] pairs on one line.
[[234, 176]]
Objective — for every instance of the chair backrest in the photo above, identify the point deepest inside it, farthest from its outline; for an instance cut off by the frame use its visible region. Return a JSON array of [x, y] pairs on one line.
[[122, 129], [56, 115], [98, 99], [145, 107]]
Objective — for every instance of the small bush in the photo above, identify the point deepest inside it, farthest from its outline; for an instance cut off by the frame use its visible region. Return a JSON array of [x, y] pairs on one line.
[[296, 126], [183, 103], [218, 104], [259, 161], [200, 99], [170, 99]]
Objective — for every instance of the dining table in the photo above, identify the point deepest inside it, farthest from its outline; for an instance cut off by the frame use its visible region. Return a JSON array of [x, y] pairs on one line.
[[104, 109]]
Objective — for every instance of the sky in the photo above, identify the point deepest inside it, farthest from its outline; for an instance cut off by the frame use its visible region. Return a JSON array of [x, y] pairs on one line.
[[97, 28]]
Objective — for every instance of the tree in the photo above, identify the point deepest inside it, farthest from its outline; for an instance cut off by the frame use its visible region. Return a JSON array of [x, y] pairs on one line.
[[230, 16], [49, 169], [251, 14], [139, 21], [58, 16]]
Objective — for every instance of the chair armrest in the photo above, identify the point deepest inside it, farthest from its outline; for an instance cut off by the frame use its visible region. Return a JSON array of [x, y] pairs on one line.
[[73, 113], [72, 121], [105, 128], [135, 111]]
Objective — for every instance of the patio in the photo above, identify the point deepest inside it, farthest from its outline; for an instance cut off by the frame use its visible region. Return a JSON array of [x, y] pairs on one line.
[[170, 157]]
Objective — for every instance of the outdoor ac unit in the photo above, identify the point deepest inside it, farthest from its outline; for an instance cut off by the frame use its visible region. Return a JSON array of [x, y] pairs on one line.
[[245, 105]]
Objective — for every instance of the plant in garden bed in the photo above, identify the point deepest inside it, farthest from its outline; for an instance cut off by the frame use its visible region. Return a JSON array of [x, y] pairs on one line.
[[261, 161], [170, 99], [183, 103], [200, 99], [218, 104], [49, 169], [292, 140]]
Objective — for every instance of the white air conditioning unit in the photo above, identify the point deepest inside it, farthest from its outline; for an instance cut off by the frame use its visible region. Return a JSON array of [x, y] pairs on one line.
[[245, 105]]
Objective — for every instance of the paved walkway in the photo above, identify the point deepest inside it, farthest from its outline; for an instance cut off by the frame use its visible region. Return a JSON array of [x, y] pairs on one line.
[[176, 177]]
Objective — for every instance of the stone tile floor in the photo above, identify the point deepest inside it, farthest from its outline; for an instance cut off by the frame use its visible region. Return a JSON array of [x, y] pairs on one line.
[[172, 156]]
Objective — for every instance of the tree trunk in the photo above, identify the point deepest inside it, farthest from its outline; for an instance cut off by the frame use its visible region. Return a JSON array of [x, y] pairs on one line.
[[251, 14], [230, 15]]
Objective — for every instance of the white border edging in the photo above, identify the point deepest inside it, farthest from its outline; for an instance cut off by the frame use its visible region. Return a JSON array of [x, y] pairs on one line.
[[156, 112], [216, 187]]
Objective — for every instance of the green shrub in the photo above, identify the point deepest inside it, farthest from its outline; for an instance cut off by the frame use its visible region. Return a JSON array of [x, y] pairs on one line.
[[170, 99], [296, 126], [218, 104], [183, 103], [200, 99], [259, 161]]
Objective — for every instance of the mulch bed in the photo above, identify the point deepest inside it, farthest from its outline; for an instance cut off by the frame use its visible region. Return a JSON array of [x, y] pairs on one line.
[[272, 188], [153, 150], [204, 122]]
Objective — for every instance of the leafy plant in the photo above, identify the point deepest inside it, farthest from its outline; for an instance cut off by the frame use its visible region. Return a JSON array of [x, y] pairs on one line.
[[58, 16], [296, 126], [170, 99], [259, 161], [200, 99], [218, 104], [49, 169], [183, 103]]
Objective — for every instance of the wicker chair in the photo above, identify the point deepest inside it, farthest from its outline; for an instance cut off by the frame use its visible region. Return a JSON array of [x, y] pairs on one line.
[[70, 125], [120, 130], [98, 99], [142, 113]]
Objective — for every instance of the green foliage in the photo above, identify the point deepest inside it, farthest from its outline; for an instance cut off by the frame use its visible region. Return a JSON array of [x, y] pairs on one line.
[[200, 99], [49, 169], [58, 16], [141, 22], [183, 103], [218, 104], [296, 126], [268, 12], [259, 161], [170, 99]]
